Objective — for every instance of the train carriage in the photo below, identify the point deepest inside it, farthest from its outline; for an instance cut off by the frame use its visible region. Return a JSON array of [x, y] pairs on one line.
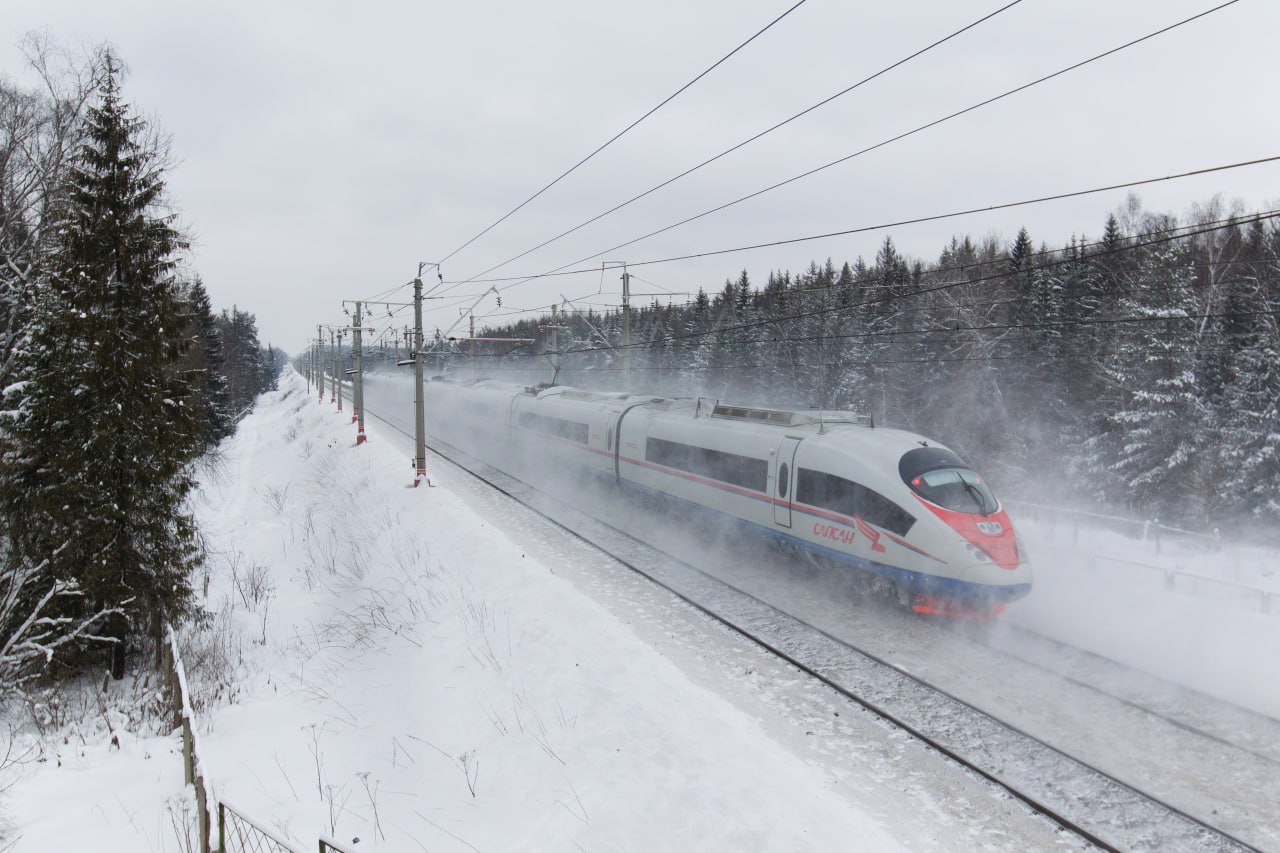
[[907, 513]]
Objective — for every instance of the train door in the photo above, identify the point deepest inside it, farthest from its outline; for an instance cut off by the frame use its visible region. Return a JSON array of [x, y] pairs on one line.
[[783, 478], [513, 410], [613, 426], [613, 436]]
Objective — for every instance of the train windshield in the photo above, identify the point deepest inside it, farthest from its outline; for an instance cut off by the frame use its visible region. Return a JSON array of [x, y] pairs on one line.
[[942, 478]]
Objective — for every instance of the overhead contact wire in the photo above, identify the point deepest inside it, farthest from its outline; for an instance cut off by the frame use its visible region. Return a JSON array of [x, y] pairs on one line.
[[882, 144], [747, 142], [629, 127], [1130, 246], [517, 280]]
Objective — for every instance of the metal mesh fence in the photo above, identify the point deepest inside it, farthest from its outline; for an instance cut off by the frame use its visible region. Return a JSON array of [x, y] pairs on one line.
[[239, 834], [328, 845]]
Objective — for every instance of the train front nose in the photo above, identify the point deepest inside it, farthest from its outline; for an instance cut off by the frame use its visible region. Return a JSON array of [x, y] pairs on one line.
[[979, 590], [992, 569], [997, 584], [998, 558]]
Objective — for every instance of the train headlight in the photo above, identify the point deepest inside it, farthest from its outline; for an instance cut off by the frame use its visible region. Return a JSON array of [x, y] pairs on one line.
[[980, 555]]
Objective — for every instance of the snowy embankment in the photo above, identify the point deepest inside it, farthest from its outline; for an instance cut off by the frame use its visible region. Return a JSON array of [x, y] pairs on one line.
[[417, 676], [1204, 618], [407, 674], [438, 669], [1208, 620]]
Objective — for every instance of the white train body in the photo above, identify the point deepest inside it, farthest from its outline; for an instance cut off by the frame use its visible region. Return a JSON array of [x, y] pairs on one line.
[[888, 502]]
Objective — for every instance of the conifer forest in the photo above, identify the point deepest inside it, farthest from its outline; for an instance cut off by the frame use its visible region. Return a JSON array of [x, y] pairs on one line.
[[1135, 372], [117, 375]]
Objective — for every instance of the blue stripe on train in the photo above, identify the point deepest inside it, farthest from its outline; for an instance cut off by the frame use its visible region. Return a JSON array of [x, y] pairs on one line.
[[951, 589]]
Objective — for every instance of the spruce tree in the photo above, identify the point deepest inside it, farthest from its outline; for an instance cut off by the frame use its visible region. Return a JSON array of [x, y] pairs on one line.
[[1249, 414], [205, 366], [700, 347], [882, 318], [1160, 422], [1080, 357], [244, 359], [106, 433]]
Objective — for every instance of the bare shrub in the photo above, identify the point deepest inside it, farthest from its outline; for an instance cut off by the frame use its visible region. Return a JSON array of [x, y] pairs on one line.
[[277, 499], [480, 624], [252, 582], [213, 658], [184, 820], [372, 794]]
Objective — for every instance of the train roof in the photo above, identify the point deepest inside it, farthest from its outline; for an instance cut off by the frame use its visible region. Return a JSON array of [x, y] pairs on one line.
[[844, 428], [787, 417], [775, 416]]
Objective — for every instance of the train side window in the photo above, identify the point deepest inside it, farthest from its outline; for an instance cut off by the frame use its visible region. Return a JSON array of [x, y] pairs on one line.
[[571, 430], [846, 497], [745, 471], [784, 477]]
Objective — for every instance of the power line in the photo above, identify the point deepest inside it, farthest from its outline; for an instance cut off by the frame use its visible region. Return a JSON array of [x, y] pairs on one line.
[[956, 330], [1189, 231], [1170, 234], [1039, 256], [618, 135], [1004, 327], [919, 129], [898, 223], [933, 289], [969, 212], [754, 138], [863, 287], [1198, 350], [389, 292]]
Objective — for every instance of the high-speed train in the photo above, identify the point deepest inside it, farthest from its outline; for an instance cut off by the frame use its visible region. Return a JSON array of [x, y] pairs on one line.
[[908, 514]]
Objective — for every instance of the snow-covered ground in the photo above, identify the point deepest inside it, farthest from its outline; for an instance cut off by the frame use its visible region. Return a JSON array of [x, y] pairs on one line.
[[1206, 620], [437, 669], [1203, 618]]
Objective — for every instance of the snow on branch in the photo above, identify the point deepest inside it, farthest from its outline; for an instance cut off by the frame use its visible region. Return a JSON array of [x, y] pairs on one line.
[[31, 629]]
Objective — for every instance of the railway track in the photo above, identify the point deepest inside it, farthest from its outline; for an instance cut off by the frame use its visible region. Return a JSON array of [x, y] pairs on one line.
[[1238, 729], [1083, 799]]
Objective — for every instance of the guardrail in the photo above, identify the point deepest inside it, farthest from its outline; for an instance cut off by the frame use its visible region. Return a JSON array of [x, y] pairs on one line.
[[1174, 578], [1145, 530], [1178, 579]]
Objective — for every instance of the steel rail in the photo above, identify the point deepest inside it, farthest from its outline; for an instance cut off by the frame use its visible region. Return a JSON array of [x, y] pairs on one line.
[[1181, 724], [1209, 833]]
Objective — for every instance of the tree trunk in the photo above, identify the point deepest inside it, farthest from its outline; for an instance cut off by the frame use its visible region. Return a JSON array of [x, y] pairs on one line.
[[118, 631]]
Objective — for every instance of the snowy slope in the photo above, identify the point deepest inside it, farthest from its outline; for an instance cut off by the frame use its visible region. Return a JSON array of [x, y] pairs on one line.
[[485, 700], [436, 669], [1204, 618]]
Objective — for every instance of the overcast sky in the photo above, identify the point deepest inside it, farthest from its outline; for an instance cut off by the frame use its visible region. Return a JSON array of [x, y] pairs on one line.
[[324, 149]]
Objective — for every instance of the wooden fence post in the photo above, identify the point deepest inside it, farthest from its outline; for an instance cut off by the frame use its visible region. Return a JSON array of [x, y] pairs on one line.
[[188, 762], [203, 821]]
